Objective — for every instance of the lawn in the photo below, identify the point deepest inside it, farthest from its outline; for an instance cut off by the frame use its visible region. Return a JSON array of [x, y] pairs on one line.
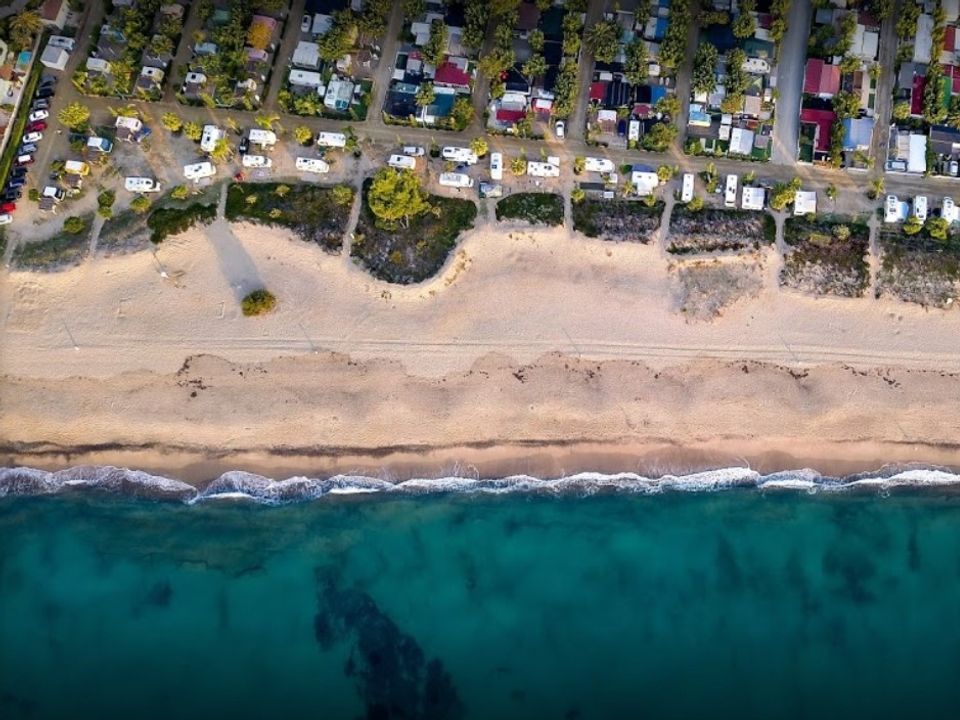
[[59, 252], [128, 231], [618, 220], [536, 208], [717, 230], [825, 258], [918, 269], [405, 255], [316, 214]]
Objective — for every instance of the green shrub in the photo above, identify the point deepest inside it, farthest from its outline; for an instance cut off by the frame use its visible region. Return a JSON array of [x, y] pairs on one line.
[[180, 192], [140, 204], [106, 199], [164, 222], [74, 225], [259, 302]]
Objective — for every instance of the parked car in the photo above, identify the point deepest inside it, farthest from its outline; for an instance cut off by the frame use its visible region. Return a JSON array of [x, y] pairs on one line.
[[414, 151], [6, 219], [48, 79], [496, 166], [37, 126], [24, 159], [39, 114], [12, 194], [45, 92], [40, 105], [16, 182], [18, 171], [244, 145], [306, 23], [560, 129], [28, 148], [8, 207], [32, 137]]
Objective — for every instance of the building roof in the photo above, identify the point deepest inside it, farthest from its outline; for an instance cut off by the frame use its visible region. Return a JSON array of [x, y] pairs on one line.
[[820, 78], [923, 40], [307, 54], [448, 73], [50, 9], [741, 141], [857, 133], [916, 94], [510, 116], [528, 17], [917, 159], [805, 202], [943, 139], [823, 119]]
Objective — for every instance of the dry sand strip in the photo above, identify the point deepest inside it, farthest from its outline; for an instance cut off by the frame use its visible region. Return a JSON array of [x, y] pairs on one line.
[[326, 413]]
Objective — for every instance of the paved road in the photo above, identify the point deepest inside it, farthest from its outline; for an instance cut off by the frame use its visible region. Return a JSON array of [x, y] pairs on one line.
[[793, 52], [685, 74], [576, 127], [291, 35], [888, 57], [381, 78], [178, 67]]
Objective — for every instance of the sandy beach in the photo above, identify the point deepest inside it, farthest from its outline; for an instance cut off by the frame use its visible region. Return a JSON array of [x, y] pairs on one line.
[[534, 351]]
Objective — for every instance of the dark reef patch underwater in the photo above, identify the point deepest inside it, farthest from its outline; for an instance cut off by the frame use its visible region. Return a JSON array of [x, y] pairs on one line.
[[450, 606]]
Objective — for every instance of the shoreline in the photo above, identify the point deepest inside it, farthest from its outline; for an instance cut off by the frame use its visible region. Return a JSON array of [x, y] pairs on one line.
[[548, 460]]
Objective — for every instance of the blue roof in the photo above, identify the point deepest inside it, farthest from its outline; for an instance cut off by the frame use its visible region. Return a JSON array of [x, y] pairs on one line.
[[857, 132], [661, 28], [656, 93]]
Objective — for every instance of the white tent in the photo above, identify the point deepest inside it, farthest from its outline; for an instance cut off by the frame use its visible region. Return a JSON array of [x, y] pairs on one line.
[[54, 58]]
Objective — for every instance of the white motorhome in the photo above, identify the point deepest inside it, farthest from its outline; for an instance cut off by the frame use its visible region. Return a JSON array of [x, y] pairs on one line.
[[256, 161], [730, 194], [403, 162], [335, 140], [264, 138], [496, 166], [198, 171], [459, 154], [686, 192], [457, 180], [598, 165], [211, 136], [141, 185], [312, 165], [920, 207], [542, 169]]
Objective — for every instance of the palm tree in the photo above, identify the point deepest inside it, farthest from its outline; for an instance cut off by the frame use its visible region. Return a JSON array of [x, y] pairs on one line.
[[23, 26], [265, 122]]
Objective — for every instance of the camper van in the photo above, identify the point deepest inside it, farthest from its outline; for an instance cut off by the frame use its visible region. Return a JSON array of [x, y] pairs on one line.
[[459, 154], [264, 138], [598, 165], [496, 166], [211, 136], [256, 161], [457, 180], [198, 171], [730, 195], [403, 162], [141, 185], [686, 193], [542, 169], [312, 165], [334, 140]]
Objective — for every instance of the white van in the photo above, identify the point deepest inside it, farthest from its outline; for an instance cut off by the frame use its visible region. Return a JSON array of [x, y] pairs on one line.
[[263, 138], [920, 207], [335, 140], [496, 166], [256, 161], [198, 171], [403, 162], [312, 165], [598, 165], [141, 185], [542, 169], [211, 136], [457, 180], [459, 154], [730, 195], [686, 193]]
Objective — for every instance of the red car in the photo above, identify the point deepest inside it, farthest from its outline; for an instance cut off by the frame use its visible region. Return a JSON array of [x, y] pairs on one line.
[[38, 126], [8, 207]]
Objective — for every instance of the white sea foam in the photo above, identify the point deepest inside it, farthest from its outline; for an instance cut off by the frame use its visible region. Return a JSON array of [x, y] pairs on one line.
[[240, 486]]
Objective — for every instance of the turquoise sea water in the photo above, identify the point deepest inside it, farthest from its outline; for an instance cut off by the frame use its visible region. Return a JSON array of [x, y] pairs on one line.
[[739, 604]]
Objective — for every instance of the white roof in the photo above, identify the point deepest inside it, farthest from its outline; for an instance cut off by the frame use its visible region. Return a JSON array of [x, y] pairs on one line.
[[321, 24], [139, 184], [55, 57], [315, 165], [917, 159], [76, 166], [305, 78], [542, 169], [951, 9], [594, 164], [129, 122], [307, 54], [256, 161], [923, 41], [329, 139], [805, 202], [98, 65], [894, 210], [211, 134], [753, 198], [950, 211], [741, 141], [644, 182], [199, 170], [865, 43], [263, 137]]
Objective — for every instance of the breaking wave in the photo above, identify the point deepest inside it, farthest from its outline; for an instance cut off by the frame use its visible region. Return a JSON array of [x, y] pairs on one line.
[[243, 486]]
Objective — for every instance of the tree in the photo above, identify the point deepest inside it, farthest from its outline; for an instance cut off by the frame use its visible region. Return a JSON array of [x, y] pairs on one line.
[[281, 191], [436, 46], [495, 62], [265, 122], [180, 192], [912, 225], [221, 151], [479, 146], [901, 110], [302, 134], [659, 137], [637, 65], [536, 40], [603, 39], [23, 27], [140, 204], [841, 232], [695, 204], [535, 66], [192, 131], [518, 165], [74, 225], [462, 112], [876, 188], [577, 195], [425, 94], [846, 105], [258, 302], [937, 227], [579, 163], [396, 196], [832, 192], [849, 64], [342, 195], [171, 121], [412, 9], [664, 173], [704, 68], [784, 194], [259, 35], [745, 25], [668, 105], [340, 38], [75, 116]]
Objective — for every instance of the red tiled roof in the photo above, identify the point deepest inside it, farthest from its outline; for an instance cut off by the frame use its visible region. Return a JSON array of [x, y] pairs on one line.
[[820, 78], [955, 76], [950, 38], [823, 119], [916, 96], [598, 90], [450, 74], [510, 116], [528, 16], [50, 9]]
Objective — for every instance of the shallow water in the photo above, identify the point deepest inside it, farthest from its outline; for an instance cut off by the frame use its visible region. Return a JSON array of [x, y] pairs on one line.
[[737, 604]]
